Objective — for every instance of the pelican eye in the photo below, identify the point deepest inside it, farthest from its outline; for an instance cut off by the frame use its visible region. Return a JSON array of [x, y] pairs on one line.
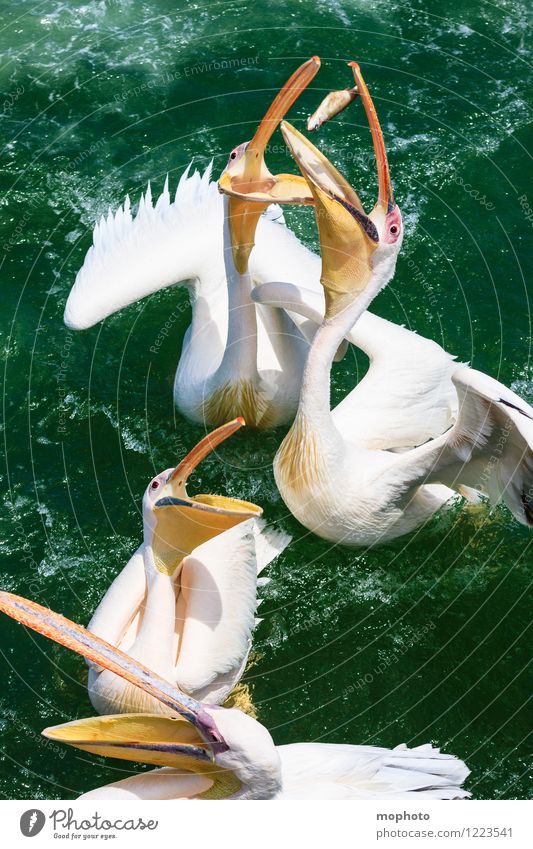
[[233, 154], [393, 229], [154, 485]]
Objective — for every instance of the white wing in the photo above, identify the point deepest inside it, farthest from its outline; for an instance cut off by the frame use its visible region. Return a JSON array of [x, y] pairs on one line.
[[219, 587], [165, 244], [490, 447], [169, 243], [268, 544], [407, 395], [329, 771]]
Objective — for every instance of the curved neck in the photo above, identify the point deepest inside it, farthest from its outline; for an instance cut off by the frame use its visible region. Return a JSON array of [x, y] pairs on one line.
[[315, 393], [154, 642], [240, 356]]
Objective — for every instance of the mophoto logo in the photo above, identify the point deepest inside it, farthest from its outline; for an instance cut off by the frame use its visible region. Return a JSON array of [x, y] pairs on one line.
[[32, 822]]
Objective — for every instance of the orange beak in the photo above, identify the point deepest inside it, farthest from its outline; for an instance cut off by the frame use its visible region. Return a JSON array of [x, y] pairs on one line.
[[385, 193], [248, 182]]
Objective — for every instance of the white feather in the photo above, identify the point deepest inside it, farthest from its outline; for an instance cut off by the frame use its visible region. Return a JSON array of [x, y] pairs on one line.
[[219, 587], [489, 449], [329, 771], [134, 256]]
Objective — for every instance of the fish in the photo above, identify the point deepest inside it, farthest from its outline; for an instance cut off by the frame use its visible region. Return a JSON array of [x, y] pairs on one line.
[[332, 104]]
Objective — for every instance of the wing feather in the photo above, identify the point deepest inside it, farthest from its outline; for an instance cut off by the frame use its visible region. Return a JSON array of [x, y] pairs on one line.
[[134, 256], [326, 770], [490, 447], [219, 587]]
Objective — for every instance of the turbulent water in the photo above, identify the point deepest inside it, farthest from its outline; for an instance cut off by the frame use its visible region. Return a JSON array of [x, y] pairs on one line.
[[423, 640]]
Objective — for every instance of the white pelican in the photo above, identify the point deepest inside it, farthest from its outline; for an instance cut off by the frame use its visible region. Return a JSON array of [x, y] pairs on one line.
[[331, 469], [182, 243], [133, 257], [209, 752], [185, 602], [237, 357]]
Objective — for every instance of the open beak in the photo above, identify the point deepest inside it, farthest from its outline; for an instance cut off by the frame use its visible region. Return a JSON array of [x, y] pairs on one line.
[[348, 236], [248, 182], [202, 736], [184, 522], [385, 193]]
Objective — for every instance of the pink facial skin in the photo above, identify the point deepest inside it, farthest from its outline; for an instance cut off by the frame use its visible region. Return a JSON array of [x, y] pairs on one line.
[[236, 154], [156, 485], [393, 226]]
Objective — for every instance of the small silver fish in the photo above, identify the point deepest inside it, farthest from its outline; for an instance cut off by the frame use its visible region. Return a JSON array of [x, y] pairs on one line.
[[332, 104]]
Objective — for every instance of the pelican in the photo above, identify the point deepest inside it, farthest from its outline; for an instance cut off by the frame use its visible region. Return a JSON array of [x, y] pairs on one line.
[[237, 357], [209, 752], [185, 242], [330, 475], [185, 602]]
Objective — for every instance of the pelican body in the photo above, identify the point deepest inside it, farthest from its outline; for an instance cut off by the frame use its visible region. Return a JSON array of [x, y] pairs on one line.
[[207, 752], [185, 603], [238, 358], [354, 475]]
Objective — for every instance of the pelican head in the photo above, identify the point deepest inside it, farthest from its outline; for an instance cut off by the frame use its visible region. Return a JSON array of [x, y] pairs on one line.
[[248, 182], [247, 763], [234, 752], [355, 246], [175, 523]]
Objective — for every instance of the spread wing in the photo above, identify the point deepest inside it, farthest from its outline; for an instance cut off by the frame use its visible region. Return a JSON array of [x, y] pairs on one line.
[[489, 448], [162, 245], [171, 242]]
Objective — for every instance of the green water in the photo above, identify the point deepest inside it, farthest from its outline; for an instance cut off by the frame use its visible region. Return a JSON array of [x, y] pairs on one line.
[[423, 640]]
